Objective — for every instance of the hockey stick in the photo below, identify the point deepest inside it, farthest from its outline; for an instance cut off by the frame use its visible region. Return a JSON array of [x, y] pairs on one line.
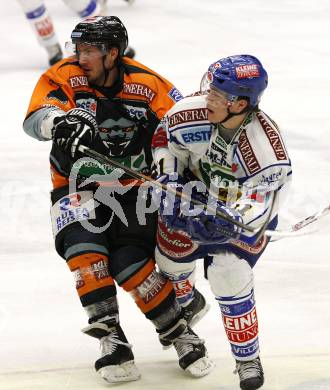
[[295, 230], [147, 179], [263, 230]]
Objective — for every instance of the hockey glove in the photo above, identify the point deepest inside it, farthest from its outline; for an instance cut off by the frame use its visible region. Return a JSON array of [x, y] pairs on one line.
[[174, 209], [211, 229], [77, 127]]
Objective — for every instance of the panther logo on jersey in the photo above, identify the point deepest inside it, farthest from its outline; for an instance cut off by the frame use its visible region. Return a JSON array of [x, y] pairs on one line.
[[117, 135]]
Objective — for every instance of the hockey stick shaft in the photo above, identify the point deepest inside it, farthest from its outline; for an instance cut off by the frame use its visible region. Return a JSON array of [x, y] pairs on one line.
[[295, 230], [147, 179]]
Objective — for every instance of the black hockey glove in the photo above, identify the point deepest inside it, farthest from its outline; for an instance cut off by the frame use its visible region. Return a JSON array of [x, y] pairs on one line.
[[77, 127]]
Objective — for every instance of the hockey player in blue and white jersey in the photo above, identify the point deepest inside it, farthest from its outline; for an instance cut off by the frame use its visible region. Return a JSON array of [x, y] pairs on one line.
[[224, 151]]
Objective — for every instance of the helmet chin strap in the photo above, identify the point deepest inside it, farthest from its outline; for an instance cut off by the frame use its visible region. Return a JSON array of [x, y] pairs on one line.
[[230, 115], [105, 71]]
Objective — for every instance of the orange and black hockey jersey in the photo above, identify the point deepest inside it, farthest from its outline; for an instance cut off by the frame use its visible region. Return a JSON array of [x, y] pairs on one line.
[[127, 112]]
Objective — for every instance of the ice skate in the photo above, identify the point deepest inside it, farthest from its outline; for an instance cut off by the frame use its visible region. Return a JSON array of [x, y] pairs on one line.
[[192, 354], [196, 309], [54, 54], [250, 373], [192, 313], [116, 363], [191, 351]]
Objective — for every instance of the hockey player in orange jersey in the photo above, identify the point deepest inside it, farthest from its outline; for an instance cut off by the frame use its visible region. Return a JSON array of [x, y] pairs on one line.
[[108, 102]]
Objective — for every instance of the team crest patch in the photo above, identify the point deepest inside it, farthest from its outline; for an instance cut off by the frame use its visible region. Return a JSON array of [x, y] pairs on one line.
[[175, 95]]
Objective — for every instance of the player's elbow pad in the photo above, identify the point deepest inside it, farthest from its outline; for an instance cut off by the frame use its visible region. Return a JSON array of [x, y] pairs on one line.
[[47, 124]]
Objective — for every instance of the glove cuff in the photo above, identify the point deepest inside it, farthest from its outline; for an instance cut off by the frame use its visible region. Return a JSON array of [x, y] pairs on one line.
[[79, 115]]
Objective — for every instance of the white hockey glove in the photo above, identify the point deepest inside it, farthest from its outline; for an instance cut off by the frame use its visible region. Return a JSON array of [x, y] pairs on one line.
[[77, 127]]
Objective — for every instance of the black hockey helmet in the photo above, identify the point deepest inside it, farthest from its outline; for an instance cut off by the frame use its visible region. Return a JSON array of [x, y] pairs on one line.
[[106, 31]]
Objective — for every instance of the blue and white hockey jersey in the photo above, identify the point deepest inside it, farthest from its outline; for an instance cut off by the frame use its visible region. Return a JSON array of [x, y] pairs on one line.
[[245, 169]]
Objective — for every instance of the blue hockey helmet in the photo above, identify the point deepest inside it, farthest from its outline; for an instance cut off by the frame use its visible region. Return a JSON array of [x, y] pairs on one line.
[[240, 75]]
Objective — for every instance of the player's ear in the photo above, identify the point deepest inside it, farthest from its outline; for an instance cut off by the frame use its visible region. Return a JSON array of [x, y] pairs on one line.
[[113, 53], [241, 104]]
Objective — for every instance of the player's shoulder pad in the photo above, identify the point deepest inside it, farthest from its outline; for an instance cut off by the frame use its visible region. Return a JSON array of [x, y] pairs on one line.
[[273, 137], [68, 71], [143, 82], [187, 122], [190, 110], [261, 144], [135, 68]]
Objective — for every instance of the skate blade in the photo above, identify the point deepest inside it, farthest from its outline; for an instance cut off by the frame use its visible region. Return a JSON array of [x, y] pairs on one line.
[[125, 372], [199, 315], [201, 367]]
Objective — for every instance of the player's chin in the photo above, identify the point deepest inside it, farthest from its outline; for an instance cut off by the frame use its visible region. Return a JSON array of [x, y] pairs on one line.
[[91, 79], [210, 113], [88, 73]]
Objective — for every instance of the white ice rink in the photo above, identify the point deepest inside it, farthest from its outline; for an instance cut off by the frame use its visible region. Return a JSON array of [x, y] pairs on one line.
[[41, 346]]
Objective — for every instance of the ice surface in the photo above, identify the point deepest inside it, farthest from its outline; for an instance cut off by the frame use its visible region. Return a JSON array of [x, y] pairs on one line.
[[40, 316]]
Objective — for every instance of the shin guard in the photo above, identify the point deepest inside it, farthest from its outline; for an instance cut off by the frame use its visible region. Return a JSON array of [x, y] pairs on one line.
[[153, 294], [93, 281], [241, 325]]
